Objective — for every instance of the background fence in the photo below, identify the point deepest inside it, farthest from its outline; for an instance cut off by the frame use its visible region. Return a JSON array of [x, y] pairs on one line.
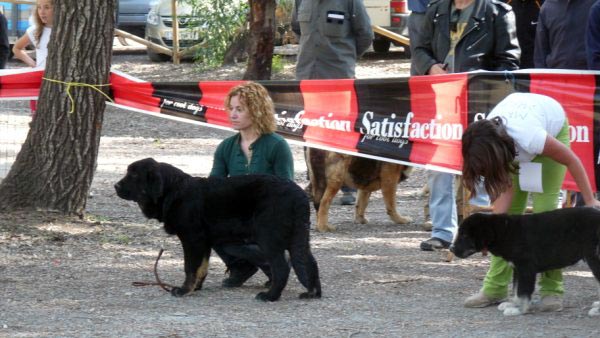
[[14, 125]]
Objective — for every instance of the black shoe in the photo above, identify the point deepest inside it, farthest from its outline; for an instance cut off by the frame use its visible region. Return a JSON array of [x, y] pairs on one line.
[[434, 244], [347, 199], [237, 277]]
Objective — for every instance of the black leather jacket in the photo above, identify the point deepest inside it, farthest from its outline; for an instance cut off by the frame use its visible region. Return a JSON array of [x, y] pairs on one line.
[[488, 43]]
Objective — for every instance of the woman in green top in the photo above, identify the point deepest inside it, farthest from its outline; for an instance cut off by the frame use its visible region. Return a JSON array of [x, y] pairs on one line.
[[256, 149]]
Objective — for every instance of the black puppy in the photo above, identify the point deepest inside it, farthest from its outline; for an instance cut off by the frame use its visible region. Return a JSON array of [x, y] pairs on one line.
[[202, 212], [534, 243]]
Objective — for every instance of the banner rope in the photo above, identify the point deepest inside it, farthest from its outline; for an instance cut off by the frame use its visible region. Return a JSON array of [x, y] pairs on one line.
[[69, 85]]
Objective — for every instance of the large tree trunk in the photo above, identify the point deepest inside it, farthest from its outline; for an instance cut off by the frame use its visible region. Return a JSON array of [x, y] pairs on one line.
[[55, 167], [260, 43]]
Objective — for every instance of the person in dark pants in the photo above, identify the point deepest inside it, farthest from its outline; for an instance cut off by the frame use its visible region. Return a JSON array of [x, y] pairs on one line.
[[256, 149], [4, 44], [461, 36], [526, 15]]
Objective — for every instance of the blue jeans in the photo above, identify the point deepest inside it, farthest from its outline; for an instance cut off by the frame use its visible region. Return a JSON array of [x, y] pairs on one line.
[[442, 204]]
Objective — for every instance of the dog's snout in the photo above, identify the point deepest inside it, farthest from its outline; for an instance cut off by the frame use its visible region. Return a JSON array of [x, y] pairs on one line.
[[118, 186]]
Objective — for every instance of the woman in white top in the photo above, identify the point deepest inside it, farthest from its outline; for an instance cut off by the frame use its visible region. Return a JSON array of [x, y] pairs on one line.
[[37, 35], [531, 131]]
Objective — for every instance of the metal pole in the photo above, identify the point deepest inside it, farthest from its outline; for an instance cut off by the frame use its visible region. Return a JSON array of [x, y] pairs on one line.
[[176, 55]]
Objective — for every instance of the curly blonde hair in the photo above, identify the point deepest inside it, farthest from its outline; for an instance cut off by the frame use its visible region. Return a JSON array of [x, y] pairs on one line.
[[256, 99], [39, 25]]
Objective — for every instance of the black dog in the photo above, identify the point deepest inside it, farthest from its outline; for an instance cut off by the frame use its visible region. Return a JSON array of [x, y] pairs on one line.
[[534, 243], [273, 213]]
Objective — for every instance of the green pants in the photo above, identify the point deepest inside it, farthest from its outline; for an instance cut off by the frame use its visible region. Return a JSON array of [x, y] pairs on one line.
[[499, 275]]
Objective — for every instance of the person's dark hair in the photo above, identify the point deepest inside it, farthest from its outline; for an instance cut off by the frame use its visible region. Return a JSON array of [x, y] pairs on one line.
[[489, 154]]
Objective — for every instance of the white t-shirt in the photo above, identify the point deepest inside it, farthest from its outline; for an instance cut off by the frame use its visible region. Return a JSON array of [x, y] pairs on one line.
[[41, 47], [529, 118]]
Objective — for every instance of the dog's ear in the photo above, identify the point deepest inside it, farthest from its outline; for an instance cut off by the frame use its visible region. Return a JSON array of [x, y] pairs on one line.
[[154, 183]]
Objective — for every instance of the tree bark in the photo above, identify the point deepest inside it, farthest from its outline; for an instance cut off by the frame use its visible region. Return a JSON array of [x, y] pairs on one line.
[[56, 164], [260, 44]]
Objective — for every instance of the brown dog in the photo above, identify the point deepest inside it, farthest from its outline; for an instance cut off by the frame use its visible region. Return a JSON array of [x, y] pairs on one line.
[[328, 171]]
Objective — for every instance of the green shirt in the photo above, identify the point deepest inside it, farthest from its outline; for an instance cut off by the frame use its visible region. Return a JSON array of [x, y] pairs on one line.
[[271, 154]]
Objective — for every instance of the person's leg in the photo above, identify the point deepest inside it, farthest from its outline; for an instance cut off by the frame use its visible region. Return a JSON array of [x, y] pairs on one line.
[[499, 275], [553, 173], [442, 208], [240, 269]]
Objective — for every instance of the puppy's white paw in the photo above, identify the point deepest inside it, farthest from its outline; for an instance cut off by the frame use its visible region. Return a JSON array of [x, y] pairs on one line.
[[505, 305], [512, 311], [595, 311], [596, 304]]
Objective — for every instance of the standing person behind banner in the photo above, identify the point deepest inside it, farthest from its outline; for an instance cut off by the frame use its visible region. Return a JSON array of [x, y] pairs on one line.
[[461, 36], [526, 15], [524, 129], [255, 149], [560, 42], [38, 36], [4, 44], [592, 37], [333, 34]]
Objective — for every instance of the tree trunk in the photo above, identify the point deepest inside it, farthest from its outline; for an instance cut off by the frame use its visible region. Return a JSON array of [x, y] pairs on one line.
[[260, 43], [55, 167]]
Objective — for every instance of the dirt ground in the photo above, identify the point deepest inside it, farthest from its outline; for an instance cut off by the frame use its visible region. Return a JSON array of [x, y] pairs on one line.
[[71, 278]]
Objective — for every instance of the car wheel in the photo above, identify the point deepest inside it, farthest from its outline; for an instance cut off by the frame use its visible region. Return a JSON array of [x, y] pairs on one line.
[[381, 46], [157, 57]]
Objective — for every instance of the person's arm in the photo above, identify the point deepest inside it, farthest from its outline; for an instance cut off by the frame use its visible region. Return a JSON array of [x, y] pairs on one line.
[[283, 161], [562, 154], [593, 38], [503, 202], [541, 44], [361, 27], [4, 44], [423, 58], [507, 52], [219, 167], [19, 50]]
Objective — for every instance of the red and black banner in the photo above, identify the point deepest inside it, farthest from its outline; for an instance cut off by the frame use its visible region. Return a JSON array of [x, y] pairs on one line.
[[411, 120]]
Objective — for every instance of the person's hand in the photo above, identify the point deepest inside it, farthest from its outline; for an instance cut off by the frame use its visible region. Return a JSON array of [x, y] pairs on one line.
[[438, 69], [594, 204]]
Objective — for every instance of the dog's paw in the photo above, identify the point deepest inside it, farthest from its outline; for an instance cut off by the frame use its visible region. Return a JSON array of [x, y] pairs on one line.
[[309, 295], [179, 292], [595, 311], [264, 297], [505, 305], [360, 220], [400, 219], [596, 304], [325, 227], [512, 311]]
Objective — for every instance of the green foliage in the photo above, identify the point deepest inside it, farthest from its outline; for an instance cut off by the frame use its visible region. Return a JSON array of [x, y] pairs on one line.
[[219, 21], [277, 64]]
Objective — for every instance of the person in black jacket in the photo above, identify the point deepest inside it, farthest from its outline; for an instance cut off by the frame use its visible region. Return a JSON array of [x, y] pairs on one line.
[[526, 14], [461, 36], [466, 35], [4, 45]]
